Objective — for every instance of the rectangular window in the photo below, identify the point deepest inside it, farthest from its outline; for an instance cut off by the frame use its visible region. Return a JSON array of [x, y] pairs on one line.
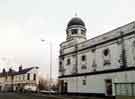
[[83, 67], [83, 58], [34, 77], [28, 76], [74, 31], [84, 82], [68, 62], [23, 77]]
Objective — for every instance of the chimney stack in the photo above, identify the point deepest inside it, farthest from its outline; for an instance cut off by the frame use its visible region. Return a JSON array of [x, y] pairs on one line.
[[4, 71], [10, 70], [20, 68]]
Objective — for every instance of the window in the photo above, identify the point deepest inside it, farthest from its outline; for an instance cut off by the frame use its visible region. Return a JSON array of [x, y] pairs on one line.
[[133, 43], [84, 82], [23, 77], [28, 76], [6, 77], [133, 49], [84, 67], [106, 57], [74, 31], [19, 77], [107, 62], [62, 58], [83, 32], [34, 77], [106, 52], [68, 62], [12, 77], [60, 63], [93, 50], [94, 65], [83, 58]]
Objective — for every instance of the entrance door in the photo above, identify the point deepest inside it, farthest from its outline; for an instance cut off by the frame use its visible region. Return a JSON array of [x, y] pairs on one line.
[[61, 86], [108, 85], [0, 88], [65, 87]]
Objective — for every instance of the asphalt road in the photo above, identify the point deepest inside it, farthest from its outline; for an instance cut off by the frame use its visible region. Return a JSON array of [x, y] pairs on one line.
[[39, 96]]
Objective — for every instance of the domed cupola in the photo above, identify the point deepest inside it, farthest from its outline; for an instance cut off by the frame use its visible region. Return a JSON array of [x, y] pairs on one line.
[[76, 29], [76, 21]]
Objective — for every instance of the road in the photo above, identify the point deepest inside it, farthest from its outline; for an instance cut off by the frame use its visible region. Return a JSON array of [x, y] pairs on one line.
[[39, 96]]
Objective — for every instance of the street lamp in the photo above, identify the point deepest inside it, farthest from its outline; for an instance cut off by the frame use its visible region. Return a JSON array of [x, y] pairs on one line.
[[50, 45]]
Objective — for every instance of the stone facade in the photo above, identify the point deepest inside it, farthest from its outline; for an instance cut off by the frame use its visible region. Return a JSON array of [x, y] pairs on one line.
[[90, 66]]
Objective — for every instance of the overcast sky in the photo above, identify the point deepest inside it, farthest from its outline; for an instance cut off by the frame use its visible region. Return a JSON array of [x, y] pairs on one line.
[[24, 22]]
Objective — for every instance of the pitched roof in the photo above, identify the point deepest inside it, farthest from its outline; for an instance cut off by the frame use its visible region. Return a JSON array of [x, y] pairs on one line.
[[13, 72], [23, 71]]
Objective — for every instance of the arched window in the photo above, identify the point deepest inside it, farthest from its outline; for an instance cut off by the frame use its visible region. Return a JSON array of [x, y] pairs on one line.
[[106, 57], [106, 52], [68, 61]]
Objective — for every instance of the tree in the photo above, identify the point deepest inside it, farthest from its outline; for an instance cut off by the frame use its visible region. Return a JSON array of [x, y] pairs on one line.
[[43, 84]]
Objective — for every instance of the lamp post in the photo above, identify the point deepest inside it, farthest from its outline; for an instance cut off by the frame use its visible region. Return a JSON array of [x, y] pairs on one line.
[[50, 77], [50, 44]]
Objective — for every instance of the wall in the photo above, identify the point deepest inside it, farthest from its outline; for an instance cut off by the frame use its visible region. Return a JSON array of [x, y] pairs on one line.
[[115, 51], [96, 83]]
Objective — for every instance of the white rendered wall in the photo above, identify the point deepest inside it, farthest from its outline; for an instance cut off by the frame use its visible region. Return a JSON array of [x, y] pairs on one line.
[[96, 83]]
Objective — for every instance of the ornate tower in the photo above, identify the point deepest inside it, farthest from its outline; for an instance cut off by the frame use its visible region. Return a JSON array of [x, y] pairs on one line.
[[76, 30]]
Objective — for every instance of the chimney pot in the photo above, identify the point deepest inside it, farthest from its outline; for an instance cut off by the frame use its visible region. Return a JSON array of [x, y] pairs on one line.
[[4, 71], [20, 68]]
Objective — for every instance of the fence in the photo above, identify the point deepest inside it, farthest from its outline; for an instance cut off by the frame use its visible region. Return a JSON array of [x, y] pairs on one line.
[[124, 89]]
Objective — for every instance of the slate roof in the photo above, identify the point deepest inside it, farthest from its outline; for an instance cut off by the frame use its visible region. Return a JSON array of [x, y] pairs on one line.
[[23, 71], [13, 72]]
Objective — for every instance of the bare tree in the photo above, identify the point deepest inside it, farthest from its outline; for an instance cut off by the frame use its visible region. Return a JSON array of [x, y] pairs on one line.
[[43, 84]]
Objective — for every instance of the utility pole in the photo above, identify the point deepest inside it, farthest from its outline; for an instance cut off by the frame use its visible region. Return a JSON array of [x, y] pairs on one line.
[[50, 63]]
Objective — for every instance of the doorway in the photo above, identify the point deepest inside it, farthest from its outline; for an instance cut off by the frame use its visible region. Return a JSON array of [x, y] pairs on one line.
[[65, 87], [108, 87]]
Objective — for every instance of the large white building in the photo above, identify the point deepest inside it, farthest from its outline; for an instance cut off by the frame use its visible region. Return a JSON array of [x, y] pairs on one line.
[[23, 79], [104, 65]]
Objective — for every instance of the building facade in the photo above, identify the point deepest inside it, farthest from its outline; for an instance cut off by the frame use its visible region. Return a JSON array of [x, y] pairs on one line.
[[104, 65], [21, 80]]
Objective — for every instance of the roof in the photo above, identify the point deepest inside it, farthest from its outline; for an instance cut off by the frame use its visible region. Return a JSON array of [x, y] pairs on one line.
[[23, 71], [13, 72], [76, 21]]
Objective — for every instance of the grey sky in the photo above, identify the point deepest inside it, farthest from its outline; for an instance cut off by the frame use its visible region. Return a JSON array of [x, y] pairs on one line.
[[24, 22]]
